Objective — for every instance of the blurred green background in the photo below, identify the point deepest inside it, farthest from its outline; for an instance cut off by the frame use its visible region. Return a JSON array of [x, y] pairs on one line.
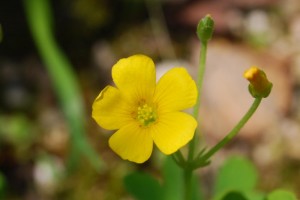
[[56, 56]]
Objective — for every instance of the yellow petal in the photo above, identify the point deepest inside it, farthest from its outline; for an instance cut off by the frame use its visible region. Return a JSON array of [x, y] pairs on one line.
[[132, 143], [110, 110], [135, 77], [173, 131], [176, 90]]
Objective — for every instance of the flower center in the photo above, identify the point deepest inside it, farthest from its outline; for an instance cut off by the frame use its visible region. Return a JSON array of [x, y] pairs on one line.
[[146, 115]]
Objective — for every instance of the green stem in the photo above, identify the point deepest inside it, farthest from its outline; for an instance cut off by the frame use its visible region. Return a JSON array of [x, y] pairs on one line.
[[188, 184], [188, 171], [179, 159], [234, 131], [200, 77]]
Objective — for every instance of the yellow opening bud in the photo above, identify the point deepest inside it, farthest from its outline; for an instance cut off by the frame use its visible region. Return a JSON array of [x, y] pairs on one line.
[[259, 85]]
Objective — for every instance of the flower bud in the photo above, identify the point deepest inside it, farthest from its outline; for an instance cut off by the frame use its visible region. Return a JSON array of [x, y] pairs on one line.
[[205, 28], [260, 86]]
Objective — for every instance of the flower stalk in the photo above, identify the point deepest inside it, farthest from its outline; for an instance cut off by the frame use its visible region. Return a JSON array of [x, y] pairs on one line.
[[259, 87], [144, 112], [203, 159], [204, 33]]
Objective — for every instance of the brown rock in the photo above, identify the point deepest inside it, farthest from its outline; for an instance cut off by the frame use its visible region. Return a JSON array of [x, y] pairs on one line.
[[225, 96]]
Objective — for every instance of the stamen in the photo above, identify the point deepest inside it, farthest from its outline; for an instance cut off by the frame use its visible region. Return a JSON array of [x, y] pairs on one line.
[[146, 115]]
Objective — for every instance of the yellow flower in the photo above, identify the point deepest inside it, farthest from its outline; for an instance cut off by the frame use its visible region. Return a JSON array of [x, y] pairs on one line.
[[259, 85], [145, 112]]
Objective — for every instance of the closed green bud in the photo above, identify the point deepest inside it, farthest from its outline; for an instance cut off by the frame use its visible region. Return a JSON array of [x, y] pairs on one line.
[[205, 28]]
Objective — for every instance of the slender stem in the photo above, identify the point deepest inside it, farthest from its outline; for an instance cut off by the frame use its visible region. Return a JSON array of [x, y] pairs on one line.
[[178, 158], [234, 131], [64, 80], [200, 77], [188, 171], [188, 184]]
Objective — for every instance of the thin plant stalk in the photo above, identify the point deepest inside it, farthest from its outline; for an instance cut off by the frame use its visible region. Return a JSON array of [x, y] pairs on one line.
[[64, 80], [234, 131]]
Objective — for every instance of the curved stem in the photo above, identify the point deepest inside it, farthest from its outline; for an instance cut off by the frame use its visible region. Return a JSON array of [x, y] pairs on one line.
[[234, 131]]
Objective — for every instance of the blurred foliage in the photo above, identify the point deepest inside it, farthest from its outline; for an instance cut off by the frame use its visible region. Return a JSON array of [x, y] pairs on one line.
[[236, 180], [93, 13], [236, 173], [2, 186], [16, 129], [64, 80], [280, 195], [234, 196], [145, 187], [173, 182]]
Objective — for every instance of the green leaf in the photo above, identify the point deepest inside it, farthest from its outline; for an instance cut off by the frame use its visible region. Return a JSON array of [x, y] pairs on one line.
[[143, 186], [254, 195], [237, 173], [281, 194], [233, 195]]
